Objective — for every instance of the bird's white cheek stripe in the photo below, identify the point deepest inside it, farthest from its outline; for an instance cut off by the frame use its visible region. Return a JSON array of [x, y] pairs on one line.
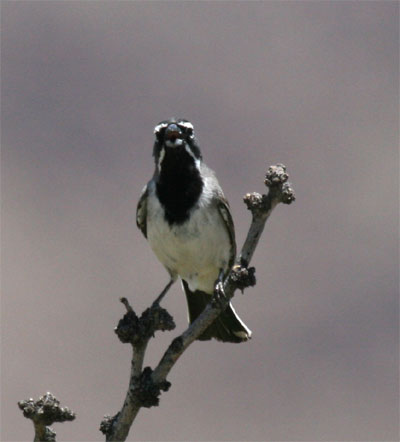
[[188, 150], [196, 160], [161, 157]]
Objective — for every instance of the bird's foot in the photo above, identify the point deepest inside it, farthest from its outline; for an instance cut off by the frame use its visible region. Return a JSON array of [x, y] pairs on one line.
[[219, 298], [159, 298]]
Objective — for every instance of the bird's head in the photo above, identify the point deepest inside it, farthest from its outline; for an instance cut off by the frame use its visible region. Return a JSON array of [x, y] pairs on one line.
[[175, 137]]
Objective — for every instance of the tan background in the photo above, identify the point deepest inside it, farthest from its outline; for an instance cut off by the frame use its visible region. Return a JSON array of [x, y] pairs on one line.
[[311, 84]]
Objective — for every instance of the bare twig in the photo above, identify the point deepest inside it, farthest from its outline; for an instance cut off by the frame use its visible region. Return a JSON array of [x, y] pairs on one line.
[[261, 207], [146, 385], [45, 412], [142, 391]]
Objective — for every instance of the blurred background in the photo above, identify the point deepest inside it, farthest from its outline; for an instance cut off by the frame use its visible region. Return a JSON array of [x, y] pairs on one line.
[[313, 85]]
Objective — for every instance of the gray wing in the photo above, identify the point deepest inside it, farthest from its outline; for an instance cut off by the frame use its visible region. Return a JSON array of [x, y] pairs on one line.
[[223, 208], [141, 212]]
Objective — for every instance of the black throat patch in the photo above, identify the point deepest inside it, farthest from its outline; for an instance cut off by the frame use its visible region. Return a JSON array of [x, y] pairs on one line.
[[179, 184]]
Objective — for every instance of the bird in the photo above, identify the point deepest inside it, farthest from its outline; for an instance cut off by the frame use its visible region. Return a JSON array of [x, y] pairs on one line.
[[185, 217]]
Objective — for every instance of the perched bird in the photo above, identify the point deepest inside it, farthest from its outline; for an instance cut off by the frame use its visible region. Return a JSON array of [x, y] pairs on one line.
[[186, 219]]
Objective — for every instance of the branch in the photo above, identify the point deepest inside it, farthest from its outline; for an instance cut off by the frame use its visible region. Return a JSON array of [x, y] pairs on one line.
[[146, 385], [142, 392], [45, 412], [240, 276]]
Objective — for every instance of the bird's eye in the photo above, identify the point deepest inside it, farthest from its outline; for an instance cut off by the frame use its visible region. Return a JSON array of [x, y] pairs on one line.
[[186, 127], [188, 130]]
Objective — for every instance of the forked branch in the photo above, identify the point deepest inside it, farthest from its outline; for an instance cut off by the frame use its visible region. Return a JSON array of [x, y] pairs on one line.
[[146, 384]]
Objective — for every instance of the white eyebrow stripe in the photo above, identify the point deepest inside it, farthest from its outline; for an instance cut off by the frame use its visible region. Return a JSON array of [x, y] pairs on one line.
[[186, 124], [159, 127]]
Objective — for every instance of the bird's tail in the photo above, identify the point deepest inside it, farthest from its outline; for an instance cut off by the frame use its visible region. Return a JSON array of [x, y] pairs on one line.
[[228, 327]]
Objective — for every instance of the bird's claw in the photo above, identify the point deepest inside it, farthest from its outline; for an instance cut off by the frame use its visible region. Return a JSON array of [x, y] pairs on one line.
[[219, 298]]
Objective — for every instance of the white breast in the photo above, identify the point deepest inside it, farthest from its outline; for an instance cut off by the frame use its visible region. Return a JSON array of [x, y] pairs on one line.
[[196, 250]]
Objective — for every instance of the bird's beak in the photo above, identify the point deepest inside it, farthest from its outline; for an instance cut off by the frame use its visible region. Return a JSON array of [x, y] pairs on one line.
[[173, 133]]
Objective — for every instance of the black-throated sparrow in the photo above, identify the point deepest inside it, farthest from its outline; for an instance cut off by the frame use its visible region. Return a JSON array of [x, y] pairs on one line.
[[185, 217]]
